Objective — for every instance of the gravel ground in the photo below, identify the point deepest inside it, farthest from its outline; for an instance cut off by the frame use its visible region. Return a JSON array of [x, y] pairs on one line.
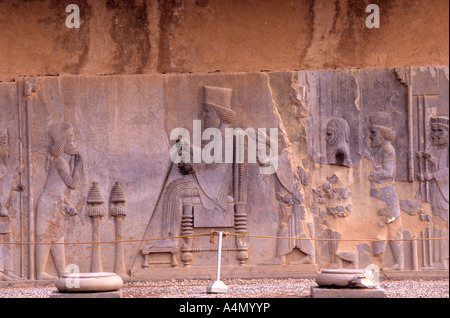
[[244, 288]]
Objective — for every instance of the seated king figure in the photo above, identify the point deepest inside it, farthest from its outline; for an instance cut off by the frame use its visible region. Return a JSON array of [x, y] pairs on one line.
[[208, 184]]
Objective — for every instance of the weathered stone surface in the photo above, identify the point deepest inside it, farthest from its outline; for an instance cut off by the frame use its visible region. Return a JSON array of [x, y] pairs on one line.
[[143, 37], [318, 292], [111, 294], [159, 272], [353, 278], [334, 201]]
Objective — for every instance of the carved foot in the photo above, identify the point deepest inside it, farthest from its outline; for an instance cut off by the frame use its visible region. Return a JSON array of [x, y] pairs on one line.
[[45, 276], [13, 276], [4, 277], [394, 267], [305, 260], [278, 260]]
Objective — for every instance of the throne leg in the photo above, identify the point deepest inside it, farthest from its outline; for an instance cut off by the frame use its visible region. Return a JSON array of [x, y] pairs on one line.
[[240, 225], [187, 228]]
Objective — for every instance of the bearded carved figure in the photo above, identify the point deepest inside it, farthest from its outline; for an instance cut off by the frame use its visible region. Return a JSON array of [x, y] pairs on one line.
[[53, 206]]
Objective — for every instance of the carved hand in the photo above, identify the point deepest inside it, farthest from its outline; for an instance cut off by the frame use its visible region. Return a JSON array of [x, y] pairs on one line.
[[264, 164], [423, 155], [19, 170], [78, 159], [375, 176], [297, 199], [425, 176], [185, 168], [19, 187], [182, 143], [3, 211], [287, 198], [71, 211]]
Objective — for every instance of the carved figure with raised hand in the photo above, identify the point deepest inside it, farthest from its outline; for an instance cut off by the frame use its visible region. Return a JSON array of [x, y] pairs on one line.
[[383, 185], [8, 184], [53, 206]]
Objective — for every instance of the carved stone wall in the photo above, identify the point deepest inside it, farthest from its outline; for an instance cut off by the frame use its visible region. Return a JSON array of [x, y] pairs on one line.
[[95, 158]]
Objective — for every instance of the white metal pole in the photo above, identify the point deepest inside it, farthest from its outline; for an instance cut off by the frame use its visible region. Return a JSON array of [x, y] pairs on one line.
[[219, 255], [217, 286]]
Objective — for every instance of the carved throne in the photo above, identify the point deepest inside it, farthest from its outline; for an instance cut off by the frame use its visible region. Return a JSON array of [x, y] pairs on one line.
[[194, 215]]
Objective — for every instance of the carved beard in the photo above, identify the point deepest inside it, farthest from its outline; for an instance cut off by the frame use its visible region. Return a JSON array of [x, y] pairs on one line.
[[376, 139], [71, 149], [376, 142], [4, 152], [4, 146], [211, 122]]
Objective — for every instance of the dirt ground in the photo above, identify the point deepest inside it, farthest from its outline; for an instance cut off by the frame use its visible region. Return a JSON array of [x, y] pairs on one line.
[[244, 288]]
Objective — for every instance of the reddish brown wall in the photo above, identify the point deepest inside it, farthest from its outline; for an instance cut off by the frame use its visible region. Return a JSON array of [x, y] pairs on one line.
[[151, 36]]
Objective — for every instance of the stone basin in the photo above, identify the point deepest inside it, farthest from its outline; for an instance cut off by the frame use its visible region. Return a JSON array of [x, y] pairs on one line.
[[356, 278], [89, 282]]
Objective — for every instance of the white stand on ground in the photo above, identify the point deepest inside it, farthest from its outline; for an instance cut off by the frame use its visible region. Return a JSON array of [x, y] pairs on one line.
[[217, 286]]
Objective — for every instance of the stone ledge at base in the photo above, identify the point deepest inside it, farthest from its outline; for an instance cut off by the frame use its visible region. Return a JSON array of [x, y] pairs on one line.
[[319, 292], [28, 283], [110, 294], [411, 274], [306, 271]]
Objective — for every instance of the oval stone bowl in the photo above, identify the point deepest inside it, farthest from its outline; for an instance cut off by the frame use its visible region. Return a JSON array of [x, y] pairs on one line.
[[88, 282]]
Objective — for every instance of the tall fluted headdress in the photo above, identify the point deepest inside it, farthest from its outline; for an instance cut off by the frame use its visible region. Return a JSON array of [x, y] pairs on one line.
[[219, 99], [441, 121]]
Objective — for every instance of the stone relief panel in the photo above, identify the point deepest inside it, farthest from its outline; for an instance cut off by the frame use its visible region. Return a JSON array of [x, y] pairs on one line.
[[360, 171], [427, 94], [110, 118], [201, 194], [12, 185], [369, 92], [9, 184], [333, 100]]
